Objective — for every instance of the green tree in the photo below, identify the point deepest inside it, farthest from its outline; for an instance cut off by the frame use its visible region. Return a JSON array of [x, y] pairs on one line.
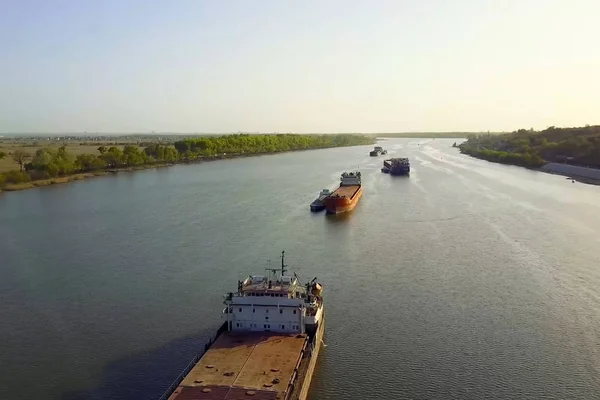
[[2, 155], [47, 163], [102, 150], [86, 162], [21, 156], [42, 158], [132, 156], [113, 157], [64, 161]]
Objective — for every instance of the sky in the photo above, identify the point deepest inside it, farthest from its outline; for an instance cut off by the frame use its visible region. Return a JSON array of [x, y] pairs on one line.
[[218, 66]]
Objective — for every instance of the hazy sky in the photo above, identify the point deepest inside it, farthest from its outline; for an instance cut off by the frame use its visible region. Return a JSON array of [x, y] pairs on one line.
[[299, 66]]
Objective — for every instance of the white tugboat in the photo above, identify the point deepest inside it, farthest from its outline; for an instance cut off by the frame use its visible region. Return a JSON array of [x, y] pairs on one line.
[[267, 346]]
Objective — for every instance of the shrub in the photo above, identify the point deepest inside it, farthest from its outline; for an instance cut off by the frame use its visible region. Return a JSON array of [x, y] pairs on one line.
[[16, 177]]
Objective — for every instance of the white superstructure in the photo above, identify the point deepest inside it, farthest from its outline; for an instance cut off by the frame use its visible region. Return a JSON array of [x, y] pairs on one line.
[[350, 179], [274, 302]]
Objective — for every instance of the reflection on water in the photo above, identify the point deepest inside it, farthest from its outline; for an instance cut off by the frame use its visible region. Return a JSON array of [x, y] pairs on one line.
[[341, 217]]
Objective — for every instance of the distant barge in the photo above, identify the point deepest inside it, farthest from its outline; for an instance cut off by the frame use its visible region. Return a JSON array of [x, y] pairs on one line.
[[268, 345], [377, 151], [396, 166]]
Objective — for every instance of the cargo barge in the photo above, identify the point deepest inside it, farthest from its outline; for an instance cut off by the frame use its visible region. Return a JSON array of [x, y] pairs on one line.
[[345, 197], [267, 347], [396, 166], [377, 151]]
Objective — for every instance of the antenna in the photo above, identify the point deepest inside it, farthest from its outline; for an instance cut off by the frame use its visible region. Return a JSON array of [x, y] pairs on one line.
[[271, 270]]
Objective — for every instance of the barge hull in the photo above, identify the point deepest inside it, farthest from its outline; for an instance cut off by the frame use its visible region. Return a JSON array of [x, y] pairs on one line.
[[399, 171], [317, 207], [347, 200], [307, 367]]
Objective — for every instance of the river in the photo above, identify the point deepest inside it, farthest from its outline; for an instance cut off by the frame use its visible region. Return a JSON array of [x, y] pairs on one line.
[[467, 280]]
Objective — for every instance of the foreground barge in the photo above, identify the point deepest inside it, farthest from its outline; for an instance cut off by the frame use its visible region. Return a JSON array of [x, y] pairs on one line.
[[268, 346]]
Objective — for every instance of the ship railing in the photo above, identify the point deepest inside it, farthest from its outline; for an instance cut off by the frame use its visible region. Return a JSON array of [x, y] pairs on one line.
[[167, 393], [292, 382]]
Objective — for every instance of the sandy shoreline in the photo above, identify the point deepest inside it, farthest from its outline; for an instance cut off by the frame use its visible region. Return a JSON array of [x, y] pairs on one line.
[[12, 187]]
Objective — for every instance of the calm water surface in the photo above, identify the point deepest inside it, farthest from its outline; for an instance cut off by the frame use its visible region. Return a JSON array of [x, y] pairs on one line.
[[468, 280]]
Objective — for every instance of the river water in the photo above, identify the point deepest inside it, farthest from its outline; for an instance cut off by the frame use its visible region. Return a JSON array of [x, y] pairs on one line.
[[468, 280]]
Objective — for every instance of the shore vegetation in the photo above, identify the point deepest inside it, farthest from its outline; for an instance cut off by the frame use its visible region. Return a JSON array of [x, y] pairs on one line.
[[530, 148], [48, 165]]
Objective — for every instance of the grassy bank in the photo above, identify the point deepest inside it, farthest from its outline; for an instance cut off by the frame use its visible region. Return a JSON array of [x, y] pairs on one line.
[[50, 166], [47, 182], [11, 187]]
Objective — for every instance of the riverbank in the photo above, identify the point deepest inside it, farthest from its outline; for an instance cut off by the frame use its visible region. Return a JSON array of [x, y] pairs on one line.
[[12, 187], [571, 152], [587, 175], [580, 174]]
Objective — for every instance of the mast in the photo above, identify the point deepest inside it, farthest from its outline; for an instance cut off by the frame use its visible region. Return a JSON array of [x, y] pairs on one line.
[[283, 266]]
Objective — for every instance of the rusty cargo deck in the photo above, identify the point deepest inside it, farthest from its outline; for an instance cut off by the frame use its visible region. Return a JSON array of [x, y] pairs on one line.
[[257, 366], [348, 191]]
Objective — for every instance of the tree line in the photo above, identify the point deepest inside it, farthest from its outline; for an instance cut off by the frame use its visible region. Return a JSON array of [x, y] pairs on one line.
[[530, 148], [256, 144], [47, 163]]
